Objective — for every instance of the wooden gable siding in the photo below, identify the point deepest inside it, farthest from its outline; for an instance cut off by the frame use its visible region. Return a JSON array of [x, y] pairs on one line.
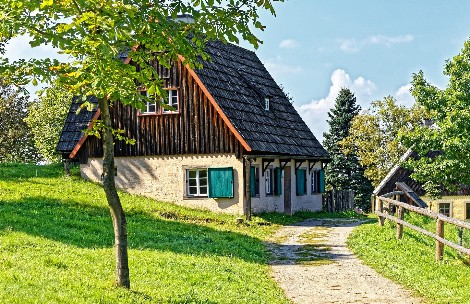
[[197, 129]]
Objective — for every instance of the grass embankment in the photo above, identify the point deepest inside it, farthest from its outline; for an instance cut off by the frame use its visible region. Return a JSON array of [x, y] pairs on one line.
[[411, 261], [56, 246]]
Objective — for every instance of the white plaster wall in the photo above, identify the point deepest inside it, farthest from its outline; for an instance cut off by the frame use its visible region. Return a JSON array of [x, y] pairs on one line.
[[266, 203], [164, 178], [308, 202]]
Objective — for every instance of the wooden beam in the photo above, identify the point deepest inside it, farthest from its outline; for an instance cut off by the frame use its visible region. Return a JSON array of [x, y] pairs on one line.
[[285, 161], [82, 140], [298, 163], [265, 164], [311, 163], [216, 106]]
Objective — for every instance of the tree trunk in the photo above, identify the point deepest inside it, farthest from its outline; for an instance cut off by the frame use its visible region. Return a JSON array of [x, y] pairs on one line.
[[115, 207]]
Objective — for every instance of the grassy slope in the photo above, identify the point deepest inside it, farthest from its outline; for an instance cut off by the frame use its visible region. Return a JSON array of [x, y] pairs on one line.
[[410, 261], [56, 247]]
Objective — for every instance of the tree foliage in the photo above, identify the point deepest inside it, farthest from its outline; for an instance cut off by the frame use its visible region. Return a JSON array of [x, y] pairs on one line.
[[16, 140], [94, 34], [46, 118], [449, 109], [344, 171], [374, 136]]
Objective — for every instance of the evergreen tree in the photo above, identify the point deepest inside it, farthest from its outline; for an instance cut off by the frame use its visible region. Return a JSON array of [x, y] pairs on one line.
[[345, 172]]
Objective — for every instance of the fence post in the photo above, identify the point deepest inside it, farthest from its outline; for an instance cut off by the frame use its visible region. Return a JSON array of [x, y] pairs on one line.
[[372, 203], [380, 208], [460, 235], [439, 245], [401, 216]]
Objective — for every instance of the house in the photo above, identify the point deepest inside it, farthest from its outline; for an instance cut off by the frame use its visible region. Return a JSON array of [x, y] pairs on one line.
[[227, 140], [453, 204]]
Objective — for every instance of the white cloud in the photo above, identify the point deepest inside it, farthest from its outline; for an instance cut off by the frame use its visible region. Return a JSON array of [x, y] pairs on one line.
[[354, 45], [315, 113], [277, 67], [404, 97], [289, 44]]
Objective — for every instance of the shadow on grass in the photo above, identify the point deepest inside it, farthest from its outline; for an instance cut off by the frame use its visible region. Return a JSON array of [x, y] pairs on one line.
[[86, 226]]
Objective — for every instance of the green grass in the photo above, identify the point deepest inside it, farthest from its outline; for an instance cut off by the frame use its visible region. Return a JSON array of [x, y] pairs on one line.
[[56, 246], [411, 261]]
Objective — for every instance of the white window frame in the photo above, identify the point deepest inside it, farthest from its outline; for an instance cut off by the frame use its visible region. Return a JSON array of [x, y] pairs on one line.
[[268, 181], [266, 103], [198, 182], [172, 96]]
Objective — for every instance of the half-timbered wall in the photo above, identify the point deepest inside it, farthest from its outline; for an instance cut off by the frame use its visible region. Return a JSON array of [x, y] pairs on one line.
[[197, 129]]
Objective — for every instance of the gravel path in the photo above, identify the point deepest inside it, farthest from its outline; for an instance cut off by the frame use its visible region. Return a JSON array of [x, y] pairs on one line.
[[313, 265]]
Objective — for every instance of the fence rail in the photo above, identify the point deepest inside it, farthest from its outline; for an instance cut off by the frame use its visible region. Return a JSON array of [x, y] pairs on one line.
[[440, 220]]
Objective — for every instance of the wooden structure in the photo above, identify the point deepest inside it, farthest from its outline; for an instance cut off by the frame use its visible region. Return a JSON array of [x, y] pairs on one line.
[[232, 109], [454, 204], [385, 213], [338, 200]]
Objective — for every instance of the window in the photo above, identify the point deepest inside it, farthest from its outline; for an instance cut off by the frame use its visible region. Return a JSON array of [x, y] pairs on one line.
[[268, 174], [266, 103], [254, 181], [301, 182], [220, 182], [196, 180], [444, 208], [150, 107], [467, 211], [317, 181], [171, 104]]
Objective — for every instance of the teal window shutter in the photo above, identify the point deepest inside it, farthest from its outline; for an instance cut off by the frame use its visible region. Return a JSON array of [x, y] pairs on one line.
[[322, 181], [277, 181], [220, 182], [300, 181]]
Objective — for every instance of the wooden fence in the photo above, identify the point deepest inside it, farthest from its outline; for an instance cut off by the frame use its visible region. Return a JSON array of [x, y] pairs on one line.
[[387, 213], [338, 200]]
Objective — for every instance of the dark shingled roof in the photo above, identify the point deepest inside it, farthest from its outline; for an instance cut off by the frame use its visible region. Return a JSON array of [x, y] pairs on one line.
[[75, 124], [239, 82]]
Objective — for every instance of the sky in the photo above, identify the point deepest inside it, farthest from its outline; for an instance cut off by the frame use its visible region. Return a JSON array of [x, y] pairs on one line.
[[313, 48]]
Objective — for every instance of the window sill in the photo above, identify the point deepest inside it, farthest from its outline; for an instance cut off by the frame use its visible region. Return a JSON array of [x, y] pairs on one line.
[[195, 197]]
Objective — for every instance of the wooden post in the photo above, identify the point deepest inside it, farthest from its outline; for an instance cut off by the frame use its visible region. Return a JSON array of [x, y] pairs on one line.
[[439, 245], [401, 216], [380, 208], [372, 203], [247, 168], [460, 235], [67, 167]]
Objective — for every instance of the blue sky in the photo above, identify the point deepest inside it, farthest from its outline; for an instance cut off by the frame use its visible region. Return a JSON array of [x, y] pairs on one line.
[[315, 47]]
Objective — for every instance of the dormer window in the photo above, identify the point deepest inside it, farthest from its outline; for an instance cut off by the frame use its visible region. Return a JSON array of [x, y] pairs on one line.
[[266, 103]]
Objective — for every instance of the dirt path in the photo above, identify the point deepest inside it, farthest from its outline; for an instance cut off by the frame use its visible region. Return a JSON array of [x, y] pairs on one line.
[[313, 265]]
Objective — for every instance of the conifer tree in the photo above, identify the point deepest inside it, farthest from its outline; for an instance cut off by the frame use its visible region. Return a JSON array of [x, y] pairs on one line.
[[345, 172]]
